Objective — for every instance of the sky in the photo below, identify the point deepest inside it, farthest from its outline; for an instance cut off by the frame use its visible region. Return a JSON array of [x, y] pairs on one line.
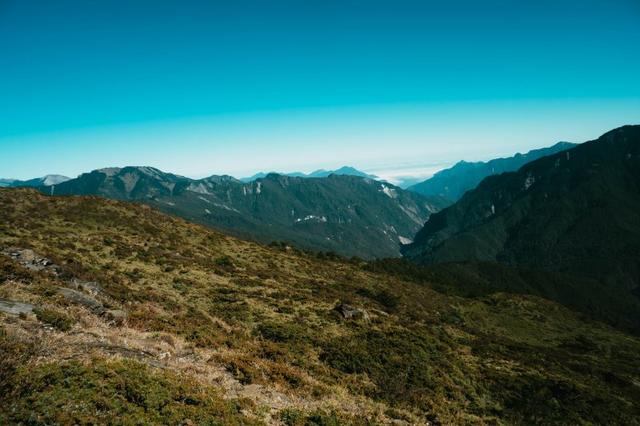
[[392, 87]]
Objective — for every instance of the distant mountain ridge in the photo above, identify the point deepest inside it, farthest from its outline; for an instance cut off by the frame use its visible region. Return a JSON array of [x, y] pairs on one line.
[[47, 180], [349, 215], [453, 182], [344, 170]]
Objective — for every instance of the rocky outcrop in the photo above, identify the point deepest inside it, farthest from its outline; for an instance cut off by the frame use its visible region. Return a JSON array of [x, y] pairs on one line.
[[79, 298], [31, 260], [15, 308], [77, 291], [349, 312]]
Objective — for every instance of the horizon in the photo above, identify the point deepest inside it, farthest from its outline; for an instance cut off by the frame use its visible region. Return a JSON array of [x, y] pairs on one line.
[[400, 174], [394, 172], [394, 87]]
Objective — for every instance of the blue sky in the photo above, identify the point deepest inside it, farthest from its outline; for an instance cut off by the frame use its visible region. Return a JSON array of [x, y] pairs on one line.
[[202, 87]]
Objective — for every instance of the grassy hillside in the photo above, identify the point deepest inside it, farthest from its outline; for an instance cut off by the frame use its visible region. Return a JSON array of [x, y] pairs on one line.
[[132, 315]]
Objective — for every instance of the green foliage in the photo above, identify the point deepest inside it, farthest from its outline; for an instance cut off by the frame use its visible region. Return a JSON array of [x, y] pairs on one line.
[[55, 319], [120, 392], [282, 332], [384, 297], [224, 265], [402, 364], [10, 270], [223, 262], [294, 417], [14, 354]]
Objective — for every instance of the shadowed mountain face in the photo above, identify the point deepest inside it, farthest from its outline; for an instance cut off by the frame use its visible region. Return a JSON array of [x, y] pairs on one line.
[[453, 182], [346, 214], [574, 212]]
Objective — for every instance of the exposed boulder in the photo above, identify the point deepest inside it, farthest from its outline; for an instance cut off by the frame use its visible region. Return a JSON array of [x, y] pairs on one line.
[[90, 287], [15, 308], [79, 298], [31, 260], [351, 312]]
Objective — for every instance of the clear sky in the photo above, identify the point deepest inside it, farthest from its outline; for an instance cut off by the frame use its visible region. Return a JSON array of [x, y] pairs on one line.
[[211, 87]]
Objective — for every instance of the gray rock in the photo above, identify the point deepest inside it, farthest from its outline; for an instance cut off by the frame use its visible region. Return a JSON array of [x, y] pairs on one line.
[[79, 298], [90, 287], [351, 312], [31, 260], [15, 308]]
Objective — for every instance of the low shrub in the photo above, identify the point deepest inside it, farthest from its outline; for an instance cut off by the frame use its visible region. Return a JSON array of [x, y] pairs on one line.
[[75, 393], [55, 319]]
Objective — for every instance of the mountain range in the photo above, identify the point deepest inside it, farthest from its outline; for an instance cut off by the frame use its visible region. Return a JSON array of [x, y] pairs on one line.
[[453, 182], [349, 215], [576, 213], [345, 170]]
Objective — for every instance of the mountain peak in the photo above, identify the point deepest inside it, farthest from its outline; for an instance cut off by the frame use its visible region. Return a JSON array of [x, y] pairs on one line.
[[220, 179], [109, 171]]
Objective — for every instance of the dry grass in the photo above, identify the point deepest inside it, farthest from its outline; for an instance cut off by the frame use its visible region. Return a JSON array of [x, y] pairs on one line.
[[256, 323]]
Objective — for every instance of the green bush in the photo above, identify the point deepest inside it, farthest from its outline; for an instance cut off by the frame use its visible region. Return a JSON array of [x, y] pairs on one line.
[[405, 366], [104, 391], [55, 319], [292, 417], [384, 297], [282, 332]]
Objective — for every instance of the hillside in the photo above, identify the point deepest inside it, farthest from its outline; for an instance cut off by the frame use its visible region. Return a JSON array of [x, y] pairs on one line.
[[575, 212], [120, 311], [349, 215], [453, 182]]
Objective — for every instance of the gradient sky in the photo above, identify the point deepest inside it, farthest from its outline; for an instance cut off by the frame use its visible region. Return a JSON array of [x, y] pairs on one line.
[[211, 87]]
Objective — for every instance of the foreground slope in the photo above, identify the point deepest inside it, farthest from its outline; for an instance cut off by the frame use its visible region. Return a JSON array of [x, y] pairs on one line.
[[345, 214], [113, 310], [453, 182]]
